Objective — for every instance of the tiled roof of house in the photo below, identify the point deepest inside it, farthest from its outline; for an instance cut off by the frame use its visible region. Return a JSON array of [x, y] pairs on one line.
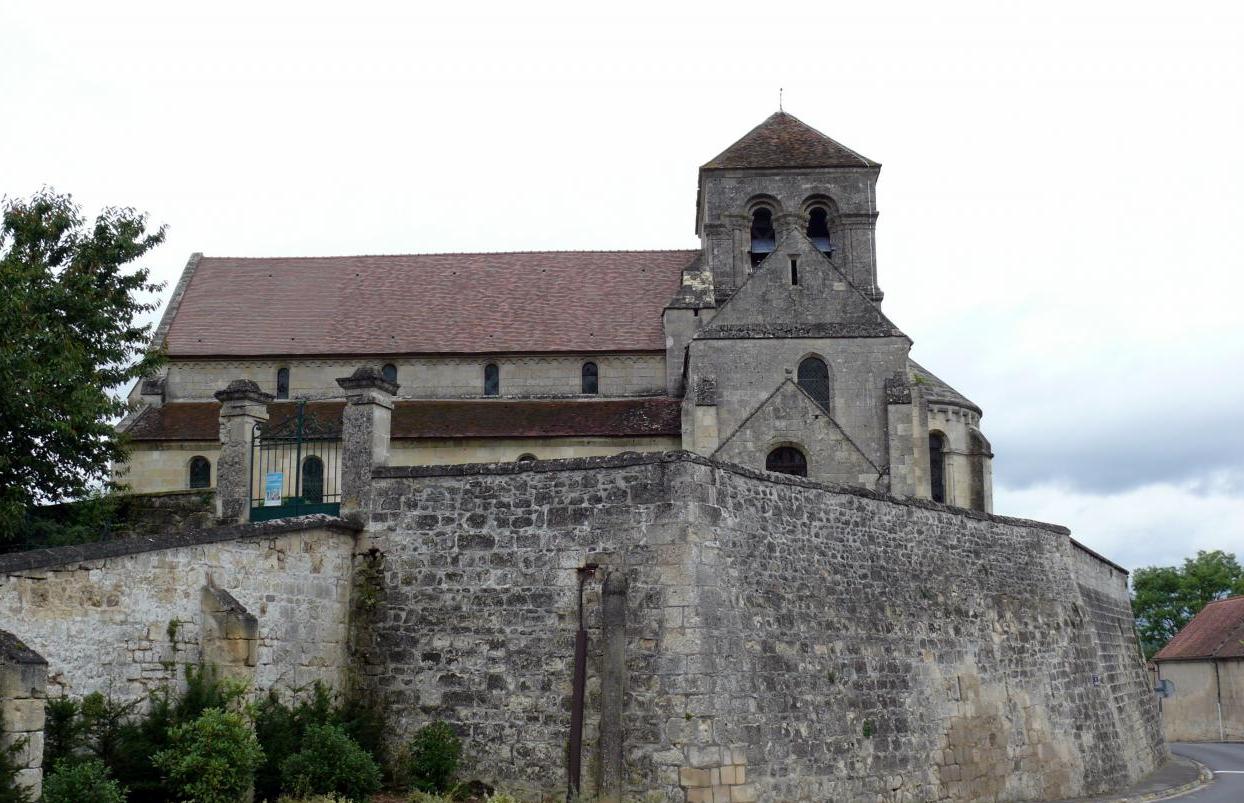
[[454, 418], [1216, 632], [783, 140], [426, 304]]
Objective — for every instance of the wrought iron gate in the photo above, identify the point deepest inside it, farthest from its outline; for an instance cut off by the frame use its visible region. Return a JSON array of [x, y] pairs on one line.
[[296, 467]]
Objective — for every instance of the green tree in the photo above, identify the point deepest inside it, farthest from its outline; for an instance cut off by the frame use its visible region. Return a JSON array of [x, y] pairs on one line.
[[1165, 598], [67, 312]]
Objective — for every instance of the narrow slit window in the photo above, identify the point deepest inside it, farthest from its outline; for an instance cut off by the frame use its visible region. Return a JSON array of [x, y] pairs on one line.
[[492, 380], [794, 272]]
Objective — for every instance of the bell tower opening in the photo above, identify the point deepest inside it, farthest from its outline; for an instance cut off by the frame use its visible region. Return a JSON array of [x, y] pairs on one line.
[[764, 237], [818, 229]]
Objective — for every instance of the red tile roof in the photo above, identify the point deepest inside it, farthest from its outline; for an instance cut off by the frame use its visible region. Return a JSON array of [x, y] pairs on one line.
[[1216, 632], [783, 140], [427, 304], [473, 418]]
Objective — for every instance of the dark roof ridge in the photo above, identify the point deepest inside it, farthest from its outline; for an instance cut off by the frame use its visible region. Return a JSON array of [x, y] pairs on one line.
[[468, 253]]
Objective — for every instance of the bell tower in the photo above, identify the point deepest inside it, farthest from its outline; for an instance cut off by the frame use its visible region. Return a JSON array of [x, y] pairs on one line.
[[784, 175]]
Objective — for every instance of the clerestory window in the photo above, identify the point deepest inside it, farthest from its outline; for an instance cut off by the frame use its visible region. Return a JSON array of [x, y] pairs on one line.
[[590, 382], [814, 378], [200, 472], [492, 380]]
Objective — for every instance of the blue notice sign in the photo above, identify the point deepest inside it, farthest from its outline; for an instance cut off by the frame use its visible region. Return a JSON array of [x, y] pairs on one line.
[[273, 483]]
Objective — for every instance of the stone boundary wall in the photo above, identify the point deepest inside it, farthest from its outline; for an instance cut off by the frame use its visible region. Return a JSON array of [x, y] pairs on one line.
[[785, 640], [267, 602]]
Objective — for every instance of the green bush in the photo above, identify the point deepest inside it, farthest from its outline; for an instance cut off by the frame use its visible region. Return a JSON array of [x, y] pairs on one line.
[[63, 731], [280, 728], [432, 758], [330, 762], [212, 759], [76, 782]]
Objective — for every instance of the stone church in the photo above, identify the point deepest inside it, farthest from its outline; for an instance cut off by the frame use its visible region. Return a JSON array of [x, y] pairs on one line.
[[655, 525], [766, 347]]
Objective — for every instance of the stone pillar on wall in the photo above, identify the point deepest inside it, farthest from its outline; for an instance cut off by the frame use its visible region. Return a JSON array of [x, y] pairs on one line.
[[613, 688], [705, 436], [899, 429], [230, 634], [853, 234], [365, 427], [242, 406], [23, 692]]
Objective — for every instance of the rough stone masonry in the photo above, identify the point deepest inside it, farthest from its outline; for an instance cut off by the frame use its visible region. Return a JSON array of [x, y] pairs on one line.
[[770, 638]]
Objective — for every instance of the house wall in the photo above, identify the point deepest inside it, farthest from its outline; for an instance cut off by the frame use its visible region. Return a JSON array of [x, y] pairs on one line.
[[1192, 713], [426, 377]]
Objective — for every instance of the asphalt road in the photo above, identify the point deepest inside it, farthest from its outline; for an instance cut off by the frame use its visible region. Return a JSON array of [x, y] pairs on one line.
[[1227, 762]]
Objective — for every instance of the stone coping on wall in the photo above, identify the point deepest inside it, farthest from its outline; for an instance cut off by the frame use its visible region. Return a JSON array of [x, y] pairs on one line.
[[626, 459], [13, 651], [59, 556]]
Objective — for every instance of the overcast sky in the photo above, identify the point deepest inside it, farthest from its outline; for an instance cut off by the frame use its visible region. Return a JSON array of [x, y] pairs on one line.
[[1062, 197]]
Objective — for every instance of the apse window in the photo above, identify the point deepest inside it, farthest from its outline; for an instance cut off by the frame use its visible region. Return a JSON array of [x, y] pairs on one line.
[[787, 460], [492, 380], [937, 466]]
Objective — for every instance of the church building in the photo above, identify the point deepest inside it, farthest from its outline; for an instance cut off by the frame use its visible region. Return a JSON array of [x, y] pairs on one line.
[[766, 347]]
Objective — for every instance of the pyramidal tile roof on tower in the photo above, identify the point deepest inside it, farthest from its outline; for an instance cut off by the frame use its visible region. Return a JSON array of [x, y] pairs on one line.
[[784, 140], [556, 301]]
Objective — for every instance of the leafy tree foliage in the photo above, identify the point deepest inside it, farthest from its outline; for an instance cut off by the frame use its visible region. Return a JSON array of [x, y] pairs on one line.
[[67, 312], [1165, 598]]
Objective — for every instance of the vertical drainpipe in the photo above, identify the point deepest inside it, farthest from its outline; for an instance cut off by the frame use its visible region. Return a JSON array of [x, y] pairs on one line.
[[575, 759], [1222, 734]]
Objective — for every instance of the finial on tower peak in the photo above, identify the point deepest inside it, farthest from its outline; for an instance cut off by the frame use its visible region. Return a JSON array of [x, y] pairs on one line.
[[779, 98]]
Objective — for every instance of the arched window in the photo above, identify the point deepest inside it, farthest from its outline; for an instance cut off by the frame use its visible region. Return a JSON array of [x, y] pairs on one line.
[[764, 238], [591, 378], [526, 458], [492, 380], [818, 229], [282, 383], [200, 472], [313, 480], [787, 460], [389, 372], [937, 466], [980, 450], [814, 378]]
